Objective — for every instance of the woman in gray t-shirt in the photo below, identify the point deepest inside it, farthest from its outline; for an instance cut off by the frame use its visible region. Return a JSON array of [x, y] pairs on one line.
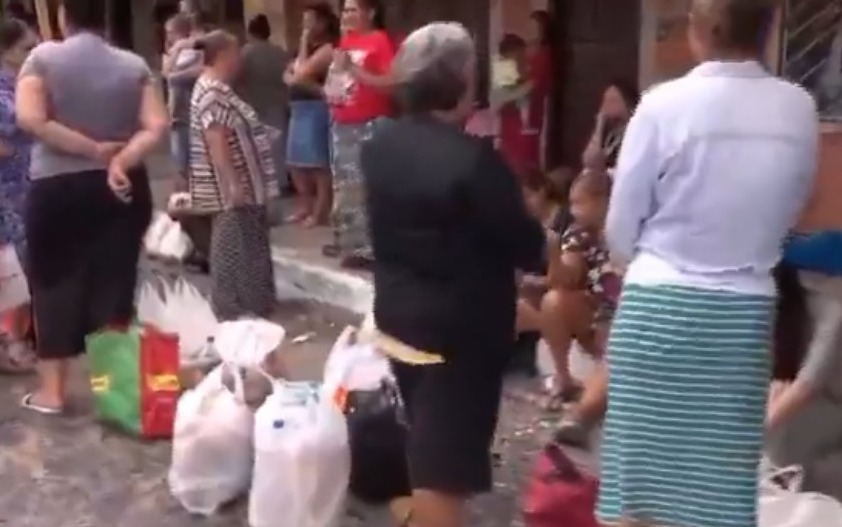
[[95, 115]]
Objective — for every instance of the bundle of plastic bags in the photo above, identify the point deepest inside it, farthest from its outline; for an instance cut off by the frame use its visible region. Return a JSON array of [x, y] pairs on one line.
[[166, 239], [213, 440], [359, 381], [181, 309]]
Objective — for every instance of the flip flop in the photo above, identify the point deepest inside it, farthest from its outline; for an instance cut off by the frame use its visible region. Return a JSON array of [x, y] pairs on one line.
[[572, 432], [27, 404]]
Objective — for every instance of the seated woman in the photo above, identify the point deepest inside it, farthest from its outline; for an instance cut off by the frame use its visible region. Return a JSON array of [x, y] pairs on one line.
[[546, 199], [449, 230], [585, 286]]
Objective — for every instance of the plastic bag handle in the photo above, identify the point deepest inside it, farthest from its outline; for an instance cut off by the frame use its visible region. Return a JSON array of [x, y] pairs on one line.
[[786, 479], [239, 382]]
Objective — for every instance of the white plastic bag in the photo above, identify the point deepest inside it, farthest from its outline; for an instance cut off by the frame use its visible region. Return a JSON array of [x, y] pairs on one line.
[[151, 308], [212, 445], [782, 504], [353, 364], [248, 342], [302, 460], [179, 202], [14, 288], [189, 314], [175, 244], [161, 223]]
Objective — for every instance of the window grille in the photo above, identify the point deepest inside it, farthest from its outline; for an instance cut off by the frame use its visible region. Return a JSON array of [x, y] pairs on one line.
[[812, 51]]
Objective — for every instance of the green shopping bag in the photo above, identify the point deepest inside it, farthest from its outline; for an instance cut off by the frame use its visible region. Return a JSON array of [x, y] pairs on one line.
[[134, 379]]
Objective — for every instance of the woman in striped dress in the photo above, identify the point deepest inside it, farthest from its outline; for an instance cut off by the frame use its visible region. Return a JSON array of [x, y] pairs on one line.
[[232, 173], [714, 170]]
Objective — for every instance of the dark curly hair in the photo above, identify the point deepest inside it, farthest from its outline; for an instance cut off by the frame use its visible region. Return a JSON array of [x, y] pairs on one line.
[[324, 13]]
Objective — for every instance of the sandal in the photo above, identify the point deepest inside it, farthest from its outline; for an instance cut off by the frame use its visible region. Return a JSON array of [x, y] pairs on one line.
[[27, 404], [572, 432], [16, 358], [558, 397], [298, 217]]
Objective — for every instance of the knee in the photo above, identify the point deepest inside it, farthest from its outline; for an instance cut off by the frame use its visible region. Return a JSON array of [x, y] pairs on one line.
[[560, 302]]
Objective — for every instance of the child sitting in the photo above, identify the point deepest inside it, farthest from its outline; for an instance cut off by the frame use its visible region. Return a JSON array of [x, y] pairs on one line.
[[586, 287]]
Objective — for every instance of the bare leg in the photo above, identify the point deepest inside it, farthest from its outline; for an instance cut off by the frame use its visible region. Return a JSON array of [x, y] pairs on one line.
[[565, 316], [435, 509], [575, 427], [16, 355], [304, 189], [323, 197], [52, 374]]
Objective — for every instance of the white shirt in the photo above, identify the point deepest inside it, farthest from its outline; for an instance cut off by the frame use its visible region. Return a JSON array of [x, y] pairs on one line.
[[714, 170]]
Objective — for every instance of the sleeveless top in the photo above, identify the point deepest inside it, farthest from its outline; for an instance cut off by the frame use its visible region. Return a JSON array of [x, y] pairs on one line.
[[298, 93]]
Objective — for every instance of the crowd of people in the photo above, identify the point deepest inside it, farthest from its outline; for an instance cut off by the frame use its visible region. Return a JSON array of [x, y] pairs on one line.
[[656, 255]]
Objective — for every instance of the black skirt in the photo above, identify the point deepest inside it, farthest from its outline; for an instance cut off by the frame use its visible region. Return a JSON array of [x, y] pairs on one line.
[[83, 249], [452, 410]]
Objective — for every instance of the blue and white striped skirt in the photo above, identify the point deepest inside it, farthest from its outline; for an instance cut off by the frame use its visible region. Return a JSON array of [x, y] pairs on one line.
[[688, 377]]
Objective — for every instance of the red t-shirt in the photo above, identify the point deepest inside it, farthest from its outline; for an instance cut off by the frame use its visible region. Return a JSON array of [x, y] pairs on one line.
[[358, 103], [520, 140]]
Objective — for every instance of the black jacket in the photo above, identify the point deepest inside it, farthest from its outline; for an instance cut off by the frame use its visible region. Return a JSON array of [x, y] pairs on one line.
[[449, 229]]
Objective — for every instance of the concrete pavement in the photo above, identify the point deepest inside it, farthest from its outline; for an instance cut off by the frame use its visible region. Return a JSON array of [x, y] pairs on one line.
[[71, 472]]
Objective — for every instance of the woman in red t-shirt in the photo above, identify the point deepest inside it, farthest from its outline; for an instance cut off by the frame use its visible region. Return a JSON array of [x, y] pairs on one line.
[[522, 109], [358, 91]]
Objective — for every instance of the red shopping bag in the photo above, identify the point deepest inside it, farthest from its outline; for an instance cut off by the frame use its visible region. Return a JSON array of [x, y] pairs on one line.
[[134, 379], [558, 494], [160, 389]]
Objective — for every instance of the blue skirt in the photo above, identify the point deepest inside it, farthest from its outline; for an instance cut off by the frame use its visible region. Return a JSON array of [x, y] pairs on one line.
[[308, 141], [688, 376]]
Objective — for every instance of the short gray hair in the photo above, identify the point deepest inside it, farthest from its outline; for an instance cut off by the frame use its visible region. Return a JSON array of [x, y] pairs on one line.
[[429, 69]]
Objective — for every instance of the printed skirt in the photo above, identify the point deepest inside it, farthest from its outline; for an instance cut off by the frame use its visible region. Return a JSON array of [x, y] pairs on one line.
[[242, 281], [349, 215], [688, 376]]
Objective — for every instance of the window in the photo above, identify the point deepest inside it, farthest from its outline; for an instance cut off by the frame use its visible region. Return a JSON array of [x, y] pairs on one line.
[[812, 51]]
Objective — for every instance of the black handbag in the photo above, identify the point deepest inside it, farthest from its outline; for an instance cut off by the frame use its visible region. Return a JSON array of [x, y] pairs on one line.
[[377, 431]]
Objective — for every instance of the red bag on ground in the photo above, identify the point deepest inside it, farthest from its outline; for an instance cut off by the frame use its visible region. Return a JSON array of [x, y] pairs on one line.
[[558, 494], [134, 379]]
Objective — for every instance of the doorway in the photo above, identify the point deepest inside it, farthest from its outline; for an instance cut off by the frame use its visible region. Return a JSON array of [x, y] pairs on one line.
[[596, 41]]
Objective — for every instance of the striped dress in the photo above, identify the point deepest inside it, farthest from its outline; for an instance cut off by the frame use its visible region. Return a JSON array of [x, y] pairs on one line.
[[688, 371], [240, 256]]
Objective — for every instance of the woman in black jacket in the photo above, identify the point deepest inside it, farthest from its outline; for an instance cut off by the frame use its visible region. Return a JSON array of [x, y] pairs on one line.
[[449, 229]]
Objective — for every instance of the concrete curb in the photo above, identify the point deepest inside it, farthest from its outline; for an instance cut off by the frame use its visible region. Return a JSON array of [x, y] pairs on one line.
[[295, 279]]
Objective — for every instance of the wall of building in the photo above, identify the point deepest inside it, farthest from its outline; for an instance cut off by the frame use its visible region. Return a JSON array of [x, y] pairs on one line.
[[665, 54]]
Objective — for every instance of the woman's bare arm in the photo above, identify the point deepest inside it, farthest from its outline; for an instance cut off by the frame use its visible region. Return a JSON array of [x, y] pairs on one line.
[[303, 72], [153, 120], [220, 157], [593, 156], [32, 116], [308, 68]]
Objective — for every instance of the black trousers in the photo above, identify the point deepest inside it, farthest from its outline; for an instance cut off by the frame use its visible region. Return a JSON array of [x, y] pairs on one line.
[[83, 247]]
